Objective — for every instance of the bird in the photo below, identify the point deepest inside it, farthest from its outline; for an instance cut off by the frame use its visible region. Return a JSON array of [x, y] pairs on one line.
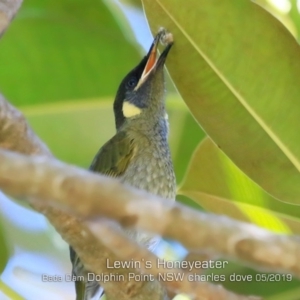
[[138, 154]]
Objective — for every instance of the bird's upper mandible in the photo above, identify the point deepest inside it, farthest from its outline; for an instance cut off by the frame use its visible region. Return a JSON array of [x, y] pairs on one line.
[[141, 93]]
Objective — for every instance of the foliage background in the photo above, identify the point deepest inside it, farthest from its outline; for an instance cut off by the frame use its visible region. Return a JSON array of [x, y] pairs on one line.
[[61, 63]]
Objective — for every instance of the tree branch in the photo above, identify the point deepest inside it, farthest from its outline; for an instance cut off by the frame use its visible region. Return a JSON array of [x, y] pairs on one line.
[[126, 250], [8, 9], [16, 135], [42, 178], [64, 187]]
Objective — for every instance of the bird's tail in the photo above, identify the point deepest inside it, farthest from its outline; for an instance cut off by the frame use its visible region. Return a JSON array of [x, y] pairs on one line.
[[85, 289], [88, 290]]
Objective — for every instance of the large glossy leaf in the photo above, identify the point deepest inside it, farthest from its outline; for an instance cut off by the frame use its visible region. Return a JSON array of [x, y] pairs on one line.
[[215, 183], [238, 70], [63, 50]]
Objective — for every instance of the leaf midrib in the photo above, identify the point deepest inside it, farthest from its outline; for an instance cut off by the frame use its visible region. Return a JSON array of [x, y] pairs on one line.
[[293, 159]]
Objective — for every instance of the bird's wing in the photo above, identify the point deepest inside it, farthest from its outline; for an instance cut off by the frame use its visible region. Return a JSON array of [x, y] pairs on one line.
[[113, 158]]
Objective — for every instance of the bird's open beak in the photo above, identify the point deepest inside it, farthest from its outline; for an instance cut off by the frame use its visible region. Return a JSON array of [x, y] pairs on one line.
[[152, 61]]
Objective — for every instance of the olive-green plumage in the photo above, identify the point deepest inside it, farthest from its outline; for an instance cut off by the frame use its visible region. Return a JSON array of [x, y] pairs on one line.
[[138, 154]]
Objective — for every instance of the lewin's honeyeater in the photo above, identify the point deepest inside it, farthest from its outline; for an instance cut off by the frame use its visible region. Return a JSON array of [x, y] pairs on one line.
[[138, 154]]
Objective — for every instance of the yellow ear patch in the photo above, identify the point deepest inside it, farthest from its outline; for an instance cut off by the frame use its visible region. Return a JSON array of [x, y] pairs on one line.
[[130, 110]]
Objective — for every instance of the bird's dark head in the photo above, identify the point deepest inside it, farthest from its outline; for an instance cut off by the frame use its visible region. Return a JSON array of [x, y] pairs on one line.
[[141, 92]]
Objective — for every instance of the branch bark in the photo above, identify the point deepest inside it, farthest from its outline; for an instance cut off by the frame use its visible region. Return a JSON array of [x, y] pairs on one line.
[[46, 182], [8, 9], [126, 250], [16, 135], [57, 184]]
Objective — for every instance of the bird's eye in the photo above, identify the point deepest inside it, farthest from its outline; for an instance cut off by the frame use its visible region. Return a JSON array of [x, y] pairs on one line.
[[131, 82]]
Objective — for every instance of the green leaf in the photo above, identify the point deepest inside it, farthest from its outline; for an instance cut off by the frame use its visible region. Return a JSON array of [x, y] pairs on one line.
[[291, 294], [4, 253], [9, 292], [294, 16], [74, 131], [238, 70], [63, 50], [215, 183]]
